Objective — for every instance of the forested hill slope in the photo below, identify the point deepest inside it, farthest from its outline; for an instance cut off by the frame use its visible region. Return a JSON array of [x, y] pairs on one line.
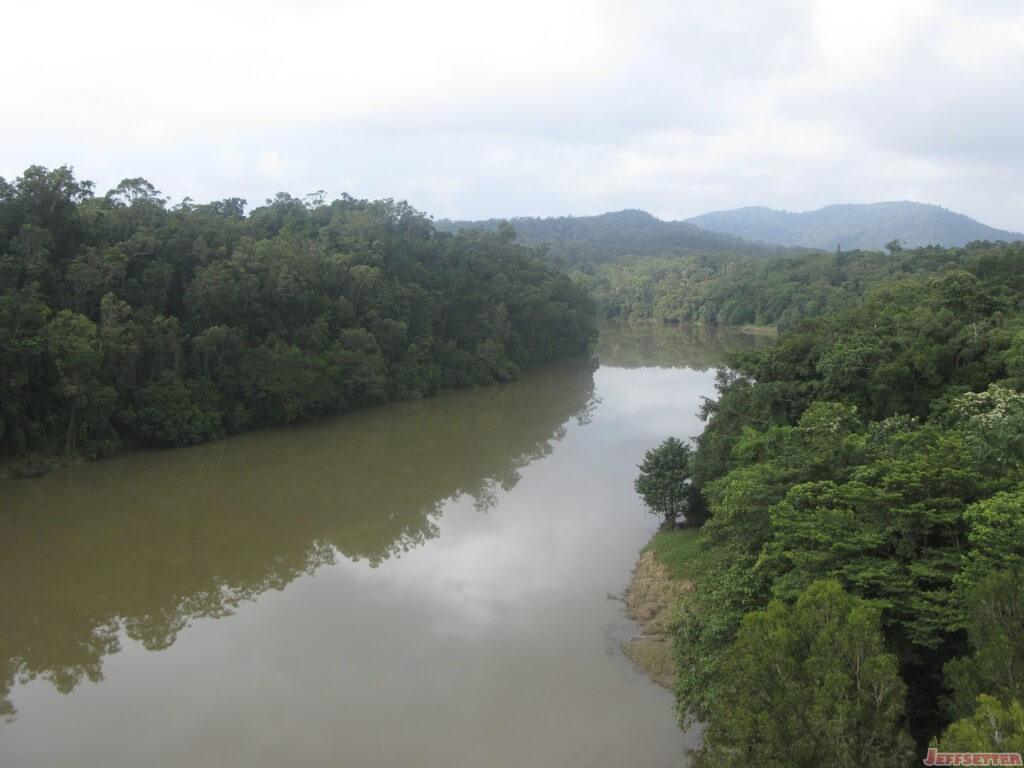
[[868, 226], [860, 594], [610, 236], [124, 322]]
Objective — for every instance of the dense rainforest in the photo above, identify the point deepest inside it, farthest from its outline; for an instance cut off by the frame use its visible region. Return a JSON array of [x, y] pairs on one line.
[[125, 322], [732, 289], [860, 574]]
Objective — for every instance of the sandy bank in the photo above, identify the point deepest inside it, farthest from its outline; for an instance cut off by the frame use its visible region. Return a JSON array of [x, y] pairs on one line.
[[650, 600]]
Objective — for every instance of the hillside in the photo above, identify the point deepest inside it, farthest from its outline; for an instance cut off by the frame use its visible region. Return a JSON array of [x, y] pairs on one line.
[[609, 236], [868, 226]]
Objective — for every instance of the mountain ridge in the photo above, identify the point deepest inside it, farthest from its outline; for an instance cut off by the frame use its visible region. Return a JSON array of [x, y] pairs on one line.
[[616, 234], [869, 226], [756, 231]]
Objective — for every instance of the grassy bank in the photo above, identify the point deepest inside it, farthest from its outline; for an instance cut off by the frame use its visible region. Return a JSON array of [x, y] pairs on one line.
[[664, 574], [677, 551]]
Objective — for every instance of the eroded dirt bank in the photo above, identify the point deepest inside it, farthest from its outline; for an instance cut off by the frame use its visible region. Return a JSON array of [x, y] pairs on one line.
[[650, 599]]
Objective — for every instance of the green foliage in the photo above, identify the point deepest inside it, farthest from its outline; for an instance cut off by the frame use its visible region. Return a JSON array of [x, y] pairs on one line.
[[995, 628], [169, 412], [993, 426], [677, 551], [809, 685], [729, 288], [990, 728], [664, 480], [891, 533], [995, 534], [729, 584], [124, 322], [879, 445]]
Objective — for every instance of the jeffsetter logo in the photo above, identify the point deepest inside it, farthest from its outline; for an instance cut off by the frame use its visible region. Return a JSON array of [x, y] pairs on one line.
[[972, 758]]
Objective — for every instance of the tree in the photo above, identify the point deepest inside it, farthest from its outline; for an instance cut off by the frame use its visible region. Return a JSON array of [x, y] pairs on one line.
[[991, 728], [995, 631], [993, 426], [664, 481], [995, 532], [810, 685], [72, 341], [170, 412]]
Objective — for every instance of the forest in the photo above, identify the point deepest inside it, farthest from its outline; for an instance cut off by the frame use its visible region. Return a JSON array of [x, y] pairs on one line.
[[736, 290], [127, 323], [860, 570]]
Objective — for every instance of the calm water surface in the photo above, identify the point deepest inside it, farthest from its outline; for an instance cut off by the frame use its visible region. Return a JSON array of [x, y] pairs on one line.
[[420, 584]]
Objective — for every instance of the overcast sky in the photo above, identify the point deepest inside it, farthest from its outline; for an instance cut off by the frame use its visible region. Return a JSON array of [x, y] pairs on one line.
[[478, 109]]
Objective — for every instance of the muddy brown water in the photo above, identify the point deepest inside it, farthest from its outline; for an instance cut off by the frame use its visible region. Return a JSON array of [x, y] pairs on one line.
[[419, 584]]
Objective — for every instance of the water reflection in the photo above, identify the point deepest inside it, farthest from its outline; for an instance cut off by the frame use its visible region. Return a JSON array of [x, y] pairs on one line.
[[150, 541], [624, 344], [492, 638]]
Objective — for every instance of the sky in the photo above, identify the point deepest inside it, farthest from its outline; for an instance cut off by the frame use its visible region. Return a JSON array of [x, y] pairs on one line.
[[534, 108]]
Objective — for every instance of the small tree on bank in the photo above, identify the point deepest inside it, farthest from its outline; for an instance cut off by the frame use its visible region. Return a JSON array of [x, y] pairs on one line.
[[664, 481]]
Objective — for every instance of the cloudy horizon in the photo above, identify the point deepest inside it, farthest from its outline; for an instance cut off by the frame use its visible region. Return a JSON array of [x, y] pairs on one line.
[[471, 110]]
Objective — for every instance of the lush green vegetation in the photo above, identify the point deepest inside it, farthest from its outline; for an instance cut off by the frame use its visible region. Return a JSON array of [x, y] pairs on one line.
[[862, 565], [664, 481], [734, 290], [124, 322], [677, 550]]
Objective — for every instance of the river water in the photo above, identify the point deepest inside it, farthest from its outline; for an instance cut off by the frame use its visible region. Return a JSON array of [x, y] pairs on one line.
[[419, 584]]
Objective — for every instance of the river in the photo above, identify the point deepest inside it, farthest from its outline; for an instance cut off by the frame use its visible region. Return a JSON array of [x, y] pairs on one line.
[[419, 584]]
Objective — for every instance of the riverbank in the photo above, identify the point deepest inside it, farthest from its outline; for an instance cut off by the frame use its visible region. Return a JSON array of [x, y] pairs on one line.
[[664, 574], [37, 465], [758, 330]]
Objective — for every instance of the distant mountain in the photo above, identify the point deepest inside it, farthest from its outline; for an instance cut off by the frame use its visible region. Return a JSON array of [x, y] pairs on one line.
[[610, 236], [869, 226]]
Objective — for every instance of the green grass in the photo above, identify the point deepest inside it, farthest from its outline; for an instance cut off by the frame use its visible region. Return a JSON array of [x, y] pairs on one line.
[[677, 550]]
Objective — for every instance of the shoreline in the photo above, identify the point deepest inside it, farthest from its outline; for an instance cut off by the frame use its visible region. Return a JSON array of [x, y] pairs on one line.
[[40, 465], [756, 330], [651, 598], [36, 464]]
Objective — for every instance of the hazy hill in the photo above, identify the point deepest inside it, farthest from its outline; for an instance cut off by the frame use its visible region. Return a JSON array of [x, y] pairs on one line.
[[868, 226], [607, 237]]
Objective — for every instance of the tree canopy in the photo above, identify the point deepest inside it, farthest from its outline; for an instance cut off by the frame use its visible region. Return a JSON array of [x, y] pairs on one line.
[[664, 480], [808, 685], [124, 322], [877, 446]]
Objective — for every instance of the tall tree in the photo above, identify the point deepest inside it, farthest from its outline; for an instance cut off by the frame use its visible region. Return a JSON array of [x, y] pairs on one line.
[[810, 685]]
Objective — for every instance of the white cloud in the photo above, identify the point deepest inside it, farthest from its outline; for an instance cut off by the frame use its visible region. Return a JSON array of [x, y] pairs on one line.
[[197, 68], [270, 163], [477, 109]]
